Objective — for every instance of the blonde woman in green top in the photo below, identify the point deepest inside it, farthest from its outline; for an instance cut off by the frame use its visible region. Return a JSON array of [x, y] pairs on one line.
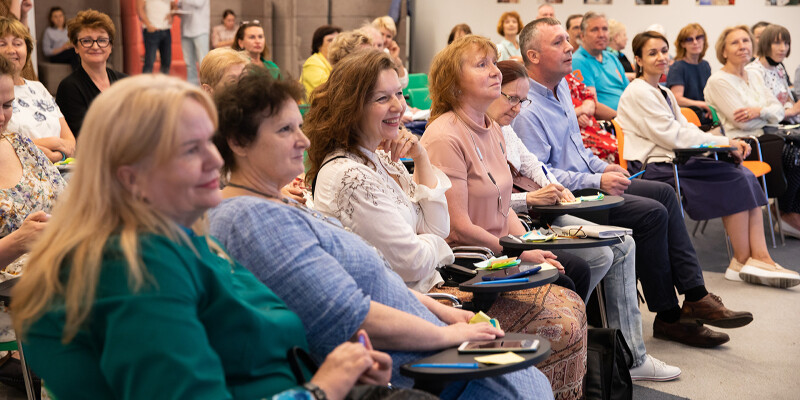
[[126, 301]]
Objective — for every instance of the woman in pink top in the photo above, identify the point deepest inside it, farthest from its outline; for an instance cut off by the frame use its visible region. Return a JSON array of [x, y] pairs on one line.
[[464, 143]]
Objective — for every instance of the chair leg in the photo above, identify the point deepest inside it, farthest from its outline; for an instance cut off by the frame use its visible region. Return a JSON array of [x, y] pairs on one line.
[[780, 228], [677, 187], [696, 227], [26, 375], [728, 245], [601, 302]]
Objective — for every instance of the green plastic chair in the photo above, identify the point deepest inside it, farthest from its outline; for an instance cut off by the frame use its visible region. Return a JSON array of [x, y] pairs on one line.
[[420, 98], [304, 109], [415, 81]]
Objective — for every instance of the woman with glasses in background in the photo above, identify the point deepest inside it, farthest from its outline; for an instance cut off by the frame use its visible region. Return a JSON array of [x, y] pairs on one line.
[[92, 35], [36, 114], [250, 38], [689, 73]]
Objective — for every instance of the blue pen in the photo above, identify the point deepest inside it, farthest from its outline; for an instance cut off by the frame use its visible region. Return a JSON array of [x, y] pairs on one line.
[[636, 174], [362, 340], [548, 175], [514, 276], [502, 281], [450, 365]]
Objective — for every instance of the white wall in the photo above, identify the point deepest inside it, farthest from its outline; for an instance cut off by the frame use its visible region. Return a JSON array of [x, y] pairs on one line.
[[433, 19]]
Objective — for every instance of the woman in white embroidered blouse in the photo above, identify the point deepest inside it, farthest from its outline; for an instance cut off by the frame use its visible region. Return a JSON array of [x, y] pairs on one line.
[[369, 191], [774, 46]]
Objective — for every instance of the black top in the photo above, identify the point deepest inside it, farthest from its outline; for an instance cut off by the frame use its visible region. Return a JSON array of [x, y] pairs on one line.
[[626, 65], [75, 94]]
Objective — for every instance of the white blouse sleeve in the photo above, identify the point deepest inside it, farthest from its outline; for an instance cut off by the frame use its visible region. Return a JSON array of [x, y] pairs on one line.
[[726, 98], [529, 164], [364, 202]]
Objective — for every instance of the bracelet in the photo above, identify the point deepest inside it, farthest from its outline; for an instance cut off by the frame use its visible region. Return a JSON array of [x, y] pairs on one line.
[[316, 391], [63, 155]]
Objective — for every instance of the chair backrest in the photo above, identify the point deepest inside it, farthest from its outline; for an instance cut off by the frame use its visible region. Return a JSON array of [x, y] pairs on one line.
[[620, 143], [690, 116], [714, 116], [420, 98], [415, 81]]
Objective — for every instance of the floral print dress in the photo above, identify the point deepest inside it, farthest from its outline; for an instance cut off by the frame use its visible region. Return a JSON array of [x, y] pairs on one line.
[[37, 190], [595, 138], [36, 114]]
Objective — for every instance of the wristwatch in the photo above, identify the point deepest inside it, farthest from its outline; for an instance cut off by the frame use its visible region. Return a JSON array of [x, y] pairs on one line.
[[315, 390]]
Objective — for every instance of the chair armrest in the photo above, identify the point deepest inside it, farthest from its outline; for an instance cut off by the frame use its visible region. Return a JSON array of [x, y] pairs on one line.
[[526, 220], [446, 296], [471, 256], [757, 145], [474, 249]]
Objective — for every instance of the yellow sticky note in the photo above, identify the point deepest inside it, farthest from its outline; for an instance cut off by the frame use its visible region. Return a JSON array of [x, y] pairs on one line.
[[482, 317], [500, 359]]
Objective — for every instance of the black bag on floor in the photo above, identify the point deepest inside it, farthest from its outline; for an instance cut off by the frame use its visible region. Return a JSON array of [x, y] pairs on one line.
[[607, 366]]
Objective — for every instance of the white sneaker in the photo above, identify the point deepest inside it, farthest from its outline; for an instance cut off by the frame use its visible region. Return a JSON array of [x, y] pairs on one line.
[[653, 369], [761, 273]]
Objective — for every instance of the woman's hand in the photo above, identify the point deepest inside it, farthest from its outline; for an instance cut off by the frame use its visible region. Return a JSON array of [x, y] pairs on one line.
[[584, 121], [406, 144], [541, 256], [461, 332], [294, 190], [452, 315], [566, 195], [793, 111], [342, 368], [381, 370], [31, 229], [746, 114], [742, 150], [548, 195]]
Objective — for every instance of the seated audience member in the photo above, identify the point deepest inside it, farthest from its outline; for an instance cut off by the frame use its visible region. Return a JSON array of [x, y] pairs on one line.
[[665, 257], [545, 11], [347, 43], [508, 27], [386, 26], [458, 31], [29, 186], [223, 34], [653, 126], [363, 182], [92, 35], [601, 71], [573, 26], [250, 38], [56, 45], [745, 105], [36, 114], [344, 284], [464, 143], [773, 48], [797, 86], [689, 73], [317, 68], [220, 67], [594, 136], [617, 40], [378, 42], [114, 268], [756, 31], [529, 173]]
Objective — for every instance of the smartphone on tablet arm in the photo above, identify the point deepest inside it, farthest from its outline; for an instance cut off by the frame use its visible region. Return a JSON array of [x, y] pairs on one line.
[[497, 346]]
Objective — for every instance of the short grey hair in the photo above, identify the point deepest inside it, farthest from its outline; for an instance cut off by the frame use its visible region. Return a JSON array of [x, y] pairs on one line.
[[590, 16], [529, 37]]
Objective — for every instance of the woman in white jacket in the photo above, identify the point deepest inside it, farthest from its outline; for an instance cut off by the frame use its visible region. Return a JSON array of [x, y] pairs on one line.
[[653, 125]]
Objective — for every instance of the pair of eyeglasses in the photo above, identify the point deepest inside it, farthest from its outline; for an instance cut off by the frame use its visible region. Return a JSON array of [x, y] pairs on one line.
[[253, 22], [697, 38], [87, 43], [514, 100]]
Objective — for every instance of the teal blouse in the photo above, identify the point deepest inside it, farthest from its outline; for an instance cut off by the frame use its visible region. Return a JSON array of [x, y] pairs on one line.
[[272, 68], [201, 328]]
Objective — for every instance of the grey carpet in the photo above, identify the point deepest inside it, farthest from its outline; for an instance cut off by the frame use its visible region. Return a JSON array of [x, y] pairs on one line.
[[641, 392]]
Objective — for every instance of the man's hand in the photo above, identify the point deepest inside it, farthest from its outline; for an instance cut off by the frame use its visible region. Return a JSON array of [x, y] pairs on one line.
[[614, 183]]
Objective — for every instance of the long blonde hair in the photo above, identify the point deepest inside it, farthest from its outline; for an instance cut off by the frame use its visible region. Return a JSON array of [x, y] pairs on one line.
[[132, 123]]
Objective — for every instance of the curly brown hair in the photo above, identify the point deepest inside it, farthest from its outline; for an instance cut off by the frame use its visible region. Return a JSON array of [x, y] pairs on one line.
[[337, 106], [90, 19]]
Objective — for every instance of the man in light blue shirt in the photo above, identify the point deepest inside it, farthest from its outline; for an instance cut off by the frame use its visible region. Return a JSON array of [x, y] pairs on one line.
[[600, 69], [665, 257], [195, 26]]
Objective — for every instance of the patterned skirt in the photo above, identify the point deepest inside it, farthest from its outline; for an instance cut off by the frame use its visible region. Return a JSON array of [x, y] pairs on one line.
[[555, 313]]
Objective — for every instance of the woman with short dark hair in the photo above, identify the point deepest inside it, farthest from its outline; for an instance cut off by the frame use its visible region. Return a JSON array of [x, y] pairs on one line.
[[317, 67]]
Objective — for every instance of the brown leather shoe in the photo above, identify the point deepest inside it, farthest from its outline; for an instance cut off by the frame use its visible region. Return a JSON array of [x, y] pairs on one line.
[[689, 334], [710, 311]]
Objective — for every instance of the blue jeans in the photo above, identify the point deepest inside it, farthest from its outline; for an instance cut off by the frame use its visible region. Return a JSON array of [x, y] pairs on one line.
[[194, 49], [616, 265], [160, 40]]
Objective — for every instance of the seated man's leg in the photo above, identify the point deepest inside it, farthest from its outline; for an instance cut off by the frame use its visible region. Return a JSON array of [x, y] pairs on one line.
[[685, 267], [598, 258]]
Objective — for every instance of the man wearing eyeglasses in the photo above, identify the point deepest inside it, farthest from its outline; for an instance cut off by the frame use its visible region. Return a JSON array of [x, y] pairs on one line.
[[665, 257], [195, 27]]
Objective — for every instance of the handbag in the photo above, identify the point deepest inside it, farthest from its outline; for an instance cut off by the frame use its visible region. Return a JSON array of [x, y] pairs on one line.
[[608, 365]]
